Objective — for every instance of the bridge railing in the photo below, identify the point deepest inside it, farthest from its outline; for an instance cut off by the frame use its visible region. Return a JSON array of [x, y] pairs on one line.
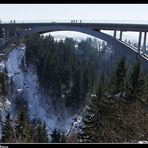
[[78, 21]]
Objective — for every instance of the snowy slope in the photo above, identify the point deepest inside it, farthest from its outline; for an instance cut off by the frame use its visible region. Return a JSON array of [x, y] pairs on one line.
[[27, 84]]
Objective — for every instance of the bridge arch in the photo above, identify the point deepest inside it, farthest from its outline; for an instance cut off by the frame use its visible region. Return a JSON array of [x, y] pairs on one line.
[[124, 48], [84, 30]]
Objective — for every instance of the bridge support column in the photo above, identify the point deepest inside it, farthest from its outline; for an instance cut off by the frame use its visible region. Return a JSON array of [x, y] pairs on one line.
[[15, 32], [144, 42], [5, 33], [139, 42], [120, 38], [115, 32]]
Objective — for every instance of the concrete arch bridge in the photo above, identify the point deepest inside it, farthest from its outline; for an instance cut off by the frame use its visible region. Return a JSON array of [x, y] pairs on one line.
[[11, 32]]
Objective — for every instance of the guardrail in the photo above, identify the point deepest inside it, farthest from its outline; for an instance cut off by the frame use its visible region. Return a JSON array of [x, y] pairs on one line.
[[78, 21]]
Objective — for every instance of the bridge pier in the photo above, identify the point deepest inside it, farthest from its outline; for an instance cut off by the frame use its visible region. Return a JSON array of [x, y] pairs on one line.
[[16, 31], [139, 42], [120, 38], [1, 36], [6, 33], [115, 32], [144, 42]]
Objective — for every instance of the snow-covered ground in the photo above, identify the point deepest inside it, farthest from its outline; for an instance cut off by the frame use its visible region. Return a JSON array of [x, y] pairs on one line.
[[26, 83], [143, 142]]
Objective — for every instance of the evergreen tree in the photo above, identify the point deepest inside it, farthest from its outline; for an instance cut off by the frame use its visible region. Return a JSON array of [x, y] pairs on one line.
[[89, 131], [3, 84], [1, 32], [41, 136], [76, 93], [118, 80], [91, 77], [101, 123], [7, 131], [135, 85], [45, 135], [22, 126], [30, 133], [57, 136]]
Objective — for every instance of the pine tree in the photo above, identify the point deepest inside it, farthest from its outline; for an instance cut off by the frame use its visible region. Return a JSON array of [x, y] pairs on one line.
[[118, 80], [135, 85], [76, 93], [7, 131], [41, 136], [101, 119], [90, 120], [57, 136], [1, 32], [45, 135], [3, 83], [91, 77], [22, 126], [30, 133]]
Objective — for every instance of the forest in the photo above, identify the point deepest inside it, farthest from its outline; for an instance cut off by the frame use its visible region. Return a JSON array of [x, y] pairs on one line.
[[89, 74]]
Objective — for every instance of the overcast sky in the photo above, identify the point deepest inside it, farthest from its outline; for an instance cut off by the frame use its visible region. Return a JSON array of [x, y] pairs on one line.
[[74, 11], [128, 12]]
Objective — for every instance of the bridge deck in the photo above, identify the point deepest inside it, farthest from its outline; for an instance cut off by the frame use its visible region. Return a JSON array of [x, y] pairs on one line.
[[103, 26]]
